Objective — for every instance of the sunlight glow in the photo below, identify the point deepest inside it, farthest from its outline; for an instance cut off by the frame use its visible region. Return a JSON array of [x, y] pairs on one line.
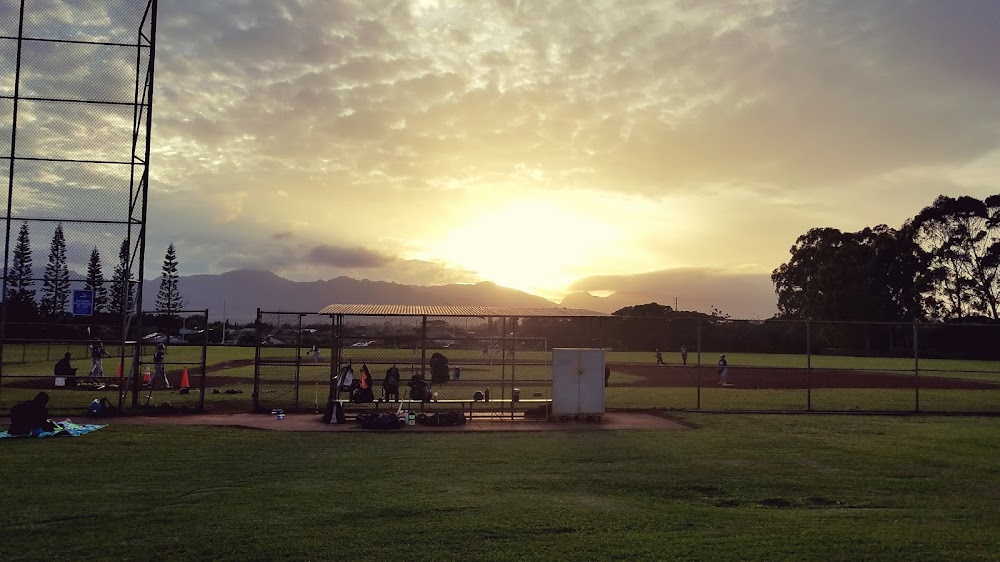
[[533, 245]]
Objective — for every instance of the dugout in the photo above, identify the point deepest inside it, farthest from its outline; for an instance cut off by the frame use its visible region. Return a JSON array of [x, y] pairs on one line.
[[505, 350]]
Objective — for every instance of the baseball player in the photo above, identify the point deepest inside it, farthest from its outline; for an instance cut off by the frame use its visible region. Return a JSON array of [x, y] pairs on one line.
[[97, 353], [158, 368], [723, 369]]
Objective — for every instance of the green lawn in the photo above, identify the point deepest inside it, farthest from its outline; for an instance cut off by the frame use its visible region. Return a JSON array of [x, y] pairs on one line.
[[738, 487]]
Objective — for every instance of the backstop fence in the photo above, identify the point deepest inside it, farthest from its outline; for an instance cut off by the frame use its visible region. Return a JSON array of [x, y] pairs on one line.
[[76, 98], [655, 363]]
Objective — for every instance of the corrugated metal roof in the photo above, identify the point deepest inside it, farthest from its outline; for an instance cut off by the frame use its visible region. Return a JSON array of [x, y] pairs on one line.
[[447, 310]]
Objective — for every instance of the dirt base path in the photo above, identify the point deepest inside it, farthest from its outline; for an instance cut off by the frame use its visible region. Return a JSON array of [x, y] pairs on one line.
[[763, 378]]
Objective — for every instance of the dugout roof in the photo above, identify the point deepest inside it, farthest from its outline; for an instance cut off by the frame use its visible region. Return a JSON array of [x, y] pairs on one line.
[[449, 310]]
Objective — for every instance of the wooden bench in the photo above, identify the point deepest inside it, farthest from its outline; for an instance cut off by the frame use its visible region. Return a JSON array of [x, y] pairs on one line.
[[468, 407]]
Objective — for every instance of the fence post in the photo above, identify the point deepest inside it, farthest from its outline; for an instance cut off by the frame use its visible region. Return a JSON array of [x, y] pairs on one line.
[[334, 358], [809, 365], [423, 346], [916, 370], [256, 363], [298, 360], [204, 361], [698, 366]]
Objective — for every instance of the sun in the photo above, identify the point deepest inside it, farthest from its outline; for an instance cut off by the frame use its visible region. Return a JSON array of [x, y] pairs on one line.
[[532, 245]]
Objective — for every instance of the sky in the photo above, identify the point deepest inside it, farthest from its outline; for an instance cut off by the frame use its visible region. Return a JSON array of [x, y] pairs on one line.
[[664, 148]]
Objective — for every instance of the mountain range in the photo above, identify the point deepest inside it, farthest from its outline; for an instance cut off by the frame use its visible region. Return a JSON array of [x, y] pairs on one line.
[[237, 294]]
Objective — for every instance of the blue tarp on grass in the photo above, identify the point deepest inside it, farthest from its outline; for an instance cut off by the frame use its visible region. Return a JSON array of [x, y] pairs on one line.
[[64, 428]]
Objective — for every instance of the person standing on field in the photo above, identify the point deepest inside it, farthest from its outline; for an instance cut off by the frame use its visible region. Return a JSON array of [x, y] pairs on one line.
[[684, 354], [159, 373], [97, 353], [723, 369], [659, 358]]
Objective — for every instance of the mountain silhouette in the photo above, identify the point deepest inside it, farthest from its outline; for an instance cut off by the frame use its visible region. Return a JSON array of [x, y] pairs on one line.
[[239, 293]]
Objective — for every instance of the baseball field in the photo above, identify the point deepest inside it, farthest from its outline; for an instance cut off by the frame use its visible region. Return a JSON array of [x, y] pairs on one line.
[[759, 381]]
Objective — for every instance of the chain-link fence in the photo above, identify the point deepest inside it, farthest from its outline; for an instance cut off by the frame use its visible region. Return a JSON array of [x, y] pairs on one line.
[[80, 366], [689, 363], [76, 91]]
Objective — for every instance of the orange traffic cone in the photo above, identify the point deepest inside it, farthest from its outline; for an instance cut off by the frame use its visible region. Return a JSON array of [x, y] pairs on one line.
[[146, 376], [184, 379]]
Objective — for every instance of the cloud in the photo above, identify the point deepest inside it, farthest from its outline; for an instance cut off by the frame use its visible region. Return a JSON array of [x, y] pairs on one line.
[[740, 294], [359, 125], [339, 256]]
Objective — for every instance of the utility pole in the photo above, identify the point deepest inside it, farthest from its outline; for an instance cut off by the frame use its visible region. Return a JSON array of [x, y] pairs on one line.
[[675, 304]]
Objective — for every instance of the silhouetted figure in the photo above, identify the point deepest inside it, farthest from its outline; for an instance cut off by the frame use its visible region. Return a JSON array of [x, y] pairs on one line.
[[684, 354], [31, 416], [659, 358], [65, 370], [607, 375], [723, 369]]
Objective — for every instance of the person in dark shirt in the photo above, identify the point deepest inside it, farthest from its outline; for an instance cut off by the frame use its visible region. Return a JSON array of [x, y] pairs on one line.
[[64, 369], [97, 353], [723, 370], [159, 368], [30, 416]]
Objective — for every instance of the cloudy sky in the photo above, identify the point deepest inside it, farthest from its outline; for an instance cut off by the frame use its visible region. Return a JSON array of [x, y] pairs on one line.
[[553, 146]]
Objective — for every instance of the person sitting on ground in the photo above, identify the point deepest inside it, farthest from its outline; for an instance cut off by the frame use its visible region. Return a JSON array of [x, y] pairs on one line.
[[31, 416], [64, 369]]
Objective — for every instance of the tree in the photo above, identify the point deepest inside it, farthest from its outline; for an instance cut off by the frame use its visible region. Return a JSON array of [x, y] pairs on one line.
[[122, 296], [95, 281], [20, 295], [876, 274], [962, 236], [168, 298], [55, 281]]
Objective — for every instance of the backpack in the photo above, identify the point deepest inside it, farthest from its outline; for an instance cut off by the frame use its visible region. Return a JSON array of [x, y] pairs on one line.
[[384, 420], [451, 417], [419, 389], [391, 381], [361, 395], [439, 368], [334, 413]]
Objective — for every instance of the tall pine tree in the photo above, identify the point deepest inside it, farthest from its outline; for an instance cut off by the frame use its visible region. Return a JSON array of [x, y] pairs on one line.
[[122, 296], [20, 295], [55, 281], [168, 298], [95, 281]]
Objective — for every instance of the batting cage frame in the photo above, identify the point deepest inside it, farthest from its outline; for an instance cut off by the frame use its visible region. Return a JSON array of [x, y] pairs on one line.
[[76, 103]]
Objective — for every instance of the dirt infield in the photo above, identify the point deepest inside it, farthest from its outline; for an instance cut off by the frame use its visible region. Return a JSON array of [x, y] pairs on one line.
[[777, 378]]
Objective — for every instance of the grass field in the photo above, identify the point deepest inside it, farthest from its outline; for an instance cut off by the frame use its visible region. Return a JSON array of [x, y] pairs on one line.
[[737, 487]]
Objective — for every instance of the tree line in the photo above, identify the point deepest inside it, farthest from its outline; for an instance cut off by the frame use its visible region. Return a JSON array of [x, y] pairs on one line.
[[114, 297], [940, 265]]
